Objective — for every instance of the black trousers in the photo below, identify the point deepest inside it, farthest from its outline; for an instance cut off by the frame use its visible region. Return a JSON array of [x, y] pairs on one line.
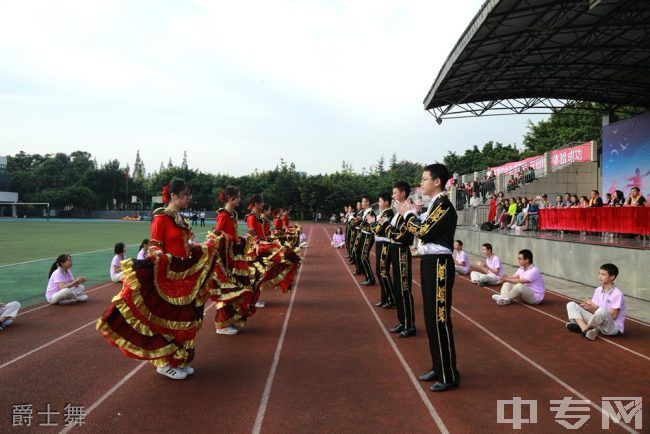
[[382, 267], [400, 259], [363, 254], [348, 237], [437, 275], [356, 246]]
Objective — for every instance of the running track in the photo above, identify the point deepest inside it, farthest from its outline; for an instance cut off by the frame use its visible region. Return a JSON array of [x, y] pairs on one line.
[[319, 360]]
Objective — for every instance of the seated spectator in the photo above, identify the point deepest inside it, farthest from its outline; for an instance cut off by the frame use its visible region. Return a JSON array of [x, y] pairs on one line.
[[604, 313], [491, 271], [62, 287], [502, 217], [527, 284], [618, 199], [635, 198], [116, 264], [338, 239], [8, 313], [532, 215], [559, 202], [142, 250], [461, 258], [512, 212], [303, 240], [608, 200], [545, 203], [595, 200], [584, 202], [567, 200], [531, 174], [574, 202]]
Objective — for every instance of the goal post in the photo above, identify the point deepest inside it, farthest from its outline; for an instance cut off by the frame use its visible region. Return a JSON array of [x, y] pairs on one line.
[[26, 210]]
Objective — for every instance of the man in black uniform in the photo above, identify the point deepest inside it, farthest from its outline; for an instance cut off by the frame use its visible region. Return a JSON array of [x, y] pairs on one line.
[[355, 232], [382, 257], [366, 240], [436, 239], [400, 258]]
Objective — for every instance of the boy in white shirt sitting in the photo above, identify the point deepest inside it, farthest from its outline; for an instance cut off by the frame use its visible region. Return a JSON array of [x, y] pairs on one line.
[[461, 258], [491, 271], [604, 313], [526, 285]]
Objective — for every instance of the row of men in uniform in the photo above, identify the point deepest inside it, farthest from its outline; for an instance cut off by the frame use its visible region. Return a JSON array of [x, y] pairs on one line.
[[394, 229]]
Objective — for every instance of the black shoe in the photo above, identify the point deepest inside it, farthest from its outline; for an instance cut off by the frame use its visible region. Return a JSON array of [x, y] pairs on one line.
[[441, 387], [573, 327], [428, 376], [387, 305], [380, 304], [368, 282], [397, 329], [407, 333]]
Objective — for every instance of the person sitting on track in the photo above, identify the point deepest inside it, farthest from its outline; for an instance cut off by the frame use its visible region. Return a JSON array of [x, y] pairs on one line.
[[63, 288], [115, 270], [526, 285], [604, 313], [338, 239], [491, 271], [8, 313], [142, 250], [461, 258]]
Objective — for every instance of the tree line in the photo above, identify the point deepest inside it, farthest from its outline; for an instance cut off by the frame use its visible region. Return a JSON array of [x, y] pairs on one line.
[[76, 183]]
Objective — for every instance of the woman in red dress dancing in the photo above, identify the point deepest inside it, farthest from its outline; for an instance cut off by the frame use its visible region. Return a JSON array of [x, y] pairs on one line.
[[159, 310]]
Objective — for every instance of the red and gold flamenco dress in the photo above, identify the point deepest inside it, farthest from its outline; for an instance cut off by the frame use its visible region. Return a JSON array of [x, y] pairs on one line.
[[245, 267], [159, 310]]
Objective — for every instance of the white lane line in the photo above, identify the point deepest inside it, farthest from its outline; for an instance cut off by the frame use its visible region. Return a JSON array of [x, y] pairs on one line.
[[47, 304], [74, 254], [564, 321], [117, 385], [542, 369], [423, 396], [10, 362], [261, 411]]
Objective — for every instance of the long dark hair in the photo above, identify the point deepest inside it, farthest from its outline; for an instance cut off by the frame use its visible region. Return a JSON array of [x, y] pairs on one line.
[[143, 243], [119, 248], [59, 261]]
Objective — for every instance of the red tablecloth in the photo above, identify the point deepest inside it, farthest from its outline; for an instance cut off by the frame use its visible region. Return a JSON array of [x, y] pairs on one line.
[[626, 220]]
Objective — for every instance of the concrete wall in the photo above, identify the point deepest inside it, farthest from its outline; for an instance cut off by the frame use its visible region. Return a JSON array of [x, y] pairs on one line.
[[579, 178], [571, 261]]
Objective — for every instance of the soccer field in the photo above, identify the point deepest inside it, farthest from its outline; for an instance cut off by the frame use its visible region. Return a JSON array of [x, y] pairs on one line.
[[30, 247]]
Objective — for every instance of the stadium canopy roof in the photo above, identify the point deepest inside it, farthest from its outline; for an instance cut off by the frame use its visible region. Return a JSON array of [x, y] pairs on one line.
[[538, 56]]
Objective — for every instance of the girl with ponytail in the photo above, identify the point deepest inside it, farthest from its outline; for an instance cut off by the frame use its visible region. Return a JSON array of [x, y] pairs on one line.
[[62, 287]]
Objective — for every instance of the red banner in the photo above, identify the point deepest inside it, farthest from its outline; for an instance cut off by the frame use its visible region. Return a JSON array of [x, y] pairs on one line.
[[626, 220], [537, 162], [574, 154]]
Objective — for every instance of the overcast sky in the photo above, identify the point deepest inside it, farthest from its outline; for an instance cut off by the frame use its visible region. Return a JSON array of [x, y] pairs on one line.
[[238, 84]]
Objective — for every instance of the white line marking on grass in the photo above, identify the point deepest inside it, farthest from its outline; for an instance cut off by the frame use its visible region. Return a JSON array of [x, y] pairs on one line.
[[423, 396], [261, 411], [4, 365], [47, 304], [74, 254], [540, 368]]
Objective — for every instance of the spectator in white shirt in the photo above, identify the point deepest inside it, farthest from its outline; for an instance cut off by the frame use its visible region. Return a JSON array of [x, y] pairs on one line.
[[604, 313], [474, 202], [491, 270], [142, 250], [116, 264], [461, 258], [526, 285], [8, 313]]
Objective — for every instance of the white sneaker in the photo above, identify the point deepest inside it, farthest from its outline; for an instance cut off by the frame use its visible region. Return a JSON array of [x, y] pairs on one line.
[[260, 304], [175, 373], [68, 301], [591, 334], [187, 369], [502, 301], [230, 330], [81, 297], [495, 297]]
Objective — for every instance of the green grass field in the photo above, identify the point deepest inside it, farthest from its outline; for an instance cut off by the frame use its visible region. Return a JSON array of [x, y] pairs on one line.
[[30, 247]]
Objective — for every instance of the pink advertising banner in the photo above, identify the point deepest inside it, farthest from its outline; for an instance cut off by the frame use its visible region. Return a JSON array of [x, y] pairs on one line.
[[574, 154], [537, 162]]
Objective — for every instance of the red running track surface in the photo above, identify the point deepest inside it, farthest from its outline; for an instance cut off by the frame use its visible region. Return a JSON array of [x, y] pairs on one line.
[[320, 360]]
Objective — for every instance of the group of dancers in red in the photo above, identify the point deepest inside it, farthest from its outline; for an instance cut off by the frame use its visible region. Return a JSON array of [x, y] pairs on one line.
[[160, 309]]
